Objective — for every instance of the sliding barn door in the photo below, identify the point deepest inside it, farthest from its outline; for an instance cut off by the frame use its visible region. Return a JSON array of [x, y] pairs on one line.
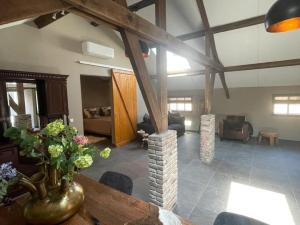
[[124, 107]]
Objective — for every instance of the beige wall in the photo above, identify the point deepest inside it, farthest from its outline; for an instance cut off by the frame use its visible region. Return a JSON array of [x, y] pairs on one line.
[[197, 101], [256, 104], [95, 91], [55, 49]]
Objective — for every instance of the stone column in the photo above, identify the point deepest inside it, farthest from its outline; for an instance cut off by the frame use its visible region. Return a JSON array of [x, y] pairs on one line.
[[207, 138], [163, 175]]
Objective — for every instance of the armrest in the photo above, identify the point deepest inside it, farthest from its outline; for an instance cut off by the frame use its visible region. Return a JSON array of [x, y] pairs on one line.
[[245, 128], [221, 128]]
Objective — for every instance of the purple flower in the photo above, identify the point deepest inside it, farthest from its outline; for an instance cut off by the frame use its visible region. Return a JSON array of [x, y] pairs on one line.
[[81, 140], [7, 171]]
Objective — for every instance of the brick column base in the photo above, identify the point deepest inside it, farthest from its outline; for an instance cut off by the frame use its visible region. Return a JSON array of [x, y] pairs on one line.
[[207, 138], [163, 175]]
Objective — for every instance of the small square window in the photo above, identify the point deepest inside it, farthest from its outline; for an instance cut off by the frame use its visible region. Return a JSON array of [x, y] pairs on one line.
[[280, 109], [294, 109]]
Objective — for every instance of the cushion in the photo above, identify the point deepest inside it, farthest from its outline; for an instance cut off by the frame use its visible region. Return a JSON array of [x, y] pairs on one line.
[[146, 118], [91, 112], [105, 111]]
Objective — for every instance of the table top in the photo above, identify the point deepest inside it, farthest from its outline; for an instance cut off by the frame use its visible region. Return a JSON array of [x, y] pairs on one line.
[[109, 206], [269, 133]]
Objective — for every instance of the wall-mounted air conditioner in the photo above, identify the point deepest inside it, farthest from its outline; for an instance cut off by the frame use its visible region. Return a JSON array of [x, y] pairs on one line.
[[97, 50]]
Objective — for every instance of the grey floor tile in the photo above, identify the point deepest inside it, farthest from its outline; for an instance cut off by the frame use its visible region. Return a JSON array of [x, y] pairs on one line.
[[203, 190]]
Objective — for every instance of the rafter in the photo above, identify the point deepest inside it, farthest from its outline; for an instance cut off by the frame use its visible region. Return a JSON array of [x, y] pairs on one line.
[[161, 64], [15, 10], [45, 20], [140, 5], [223, 28], [264, 65], [132, 46], [117, 15], [211, 45]]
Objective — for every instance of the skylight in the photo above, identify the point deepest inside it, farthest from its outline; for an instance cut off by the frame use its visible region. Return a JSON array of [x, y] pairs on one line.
[[175, 63], [263, 205]]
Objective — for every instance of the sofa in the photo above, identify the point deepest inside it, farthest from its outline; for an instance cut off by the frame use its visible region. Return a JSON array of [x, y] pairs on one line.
[[235, 128], [175, 122]]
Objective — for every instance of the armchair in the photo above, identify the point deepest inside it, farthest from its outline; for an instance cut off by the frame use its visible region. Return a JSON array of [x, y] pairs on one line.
[[235, 127]]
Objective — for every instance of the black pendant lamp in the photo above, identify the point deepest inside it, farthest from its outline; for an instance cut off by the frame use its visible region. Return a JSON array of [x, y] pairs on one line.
[[283, 16]]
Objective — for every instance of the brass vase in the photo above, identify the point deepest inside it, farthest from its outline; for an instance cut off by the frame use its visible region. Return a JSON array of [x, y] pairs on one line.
[[53, 205]]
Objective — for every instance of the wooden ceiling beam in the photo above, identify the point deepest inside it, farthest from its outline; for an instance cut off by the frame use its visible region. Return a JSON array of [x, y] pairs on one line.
[[223, 28], [131, 42], [45, 20], [211, 46], [140, 5], [161, 65], [121, 17], [264, 65], [15, 10]]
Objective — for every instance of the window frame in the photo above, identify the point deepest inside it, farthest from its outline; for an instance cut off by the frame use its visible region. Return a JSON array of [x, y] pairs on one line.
[[181, 100], [288, 102]]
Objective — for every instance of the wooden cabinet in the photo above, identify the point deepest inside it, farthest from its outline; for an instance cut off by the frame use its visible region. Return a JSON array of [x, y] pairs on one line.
[[52, 104]]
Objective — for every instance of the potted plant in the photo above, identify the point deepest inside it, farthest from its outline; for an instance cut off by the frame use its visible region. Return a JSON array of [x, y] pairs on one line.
[[61, 153]]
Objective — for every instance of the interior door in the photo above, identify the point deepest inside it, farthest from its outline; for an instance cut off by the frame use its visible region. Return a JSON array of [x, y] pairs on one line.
[[124, 107]]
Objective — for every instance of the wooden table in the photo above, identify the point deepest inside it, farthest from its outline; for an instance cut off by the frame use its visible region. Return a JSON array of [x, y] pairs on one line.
[[272, 136], [109, 206]]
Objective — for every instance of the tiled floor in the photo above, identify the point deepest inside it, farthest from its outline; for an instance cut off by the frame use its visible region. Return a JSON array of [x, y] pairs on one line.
[[206, 190]]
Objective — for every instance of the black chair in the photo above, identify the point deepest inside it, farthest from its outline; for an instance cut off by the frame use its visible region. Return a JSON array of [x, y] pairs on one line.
[[226, 218], [117, 181]]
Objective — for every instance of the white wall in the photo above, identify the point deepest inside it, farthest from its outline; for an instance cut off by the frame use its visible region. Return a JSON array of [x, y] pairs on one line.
[[256, 104], [55, 49]]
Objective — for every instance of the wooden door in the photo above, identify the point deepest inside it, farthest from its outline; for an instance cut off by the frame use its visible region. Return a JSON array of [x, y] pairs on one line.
[[124, 107]]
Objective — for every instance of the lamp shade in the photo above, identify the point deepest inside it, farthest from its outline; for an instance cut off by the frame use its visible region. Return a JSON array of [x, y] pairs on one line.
[[283, 16]]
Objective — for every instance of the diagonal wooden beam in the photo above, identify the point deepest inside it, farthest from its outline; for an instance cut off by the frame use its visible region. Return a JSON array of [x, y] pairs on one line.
[[131, 42], [225, 87], [15, 10], [140, 5], [264, 65], [223, 28], [121, 17]]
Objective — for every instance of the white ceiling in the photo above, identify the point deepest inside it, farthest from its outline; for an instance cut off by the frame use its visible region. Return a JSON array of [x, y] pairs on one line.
[[243, 46]]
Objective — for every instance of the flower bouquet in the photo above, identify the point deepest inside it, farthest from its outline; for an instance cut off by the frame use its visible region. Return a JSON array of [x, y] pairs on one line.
[[61, 153]]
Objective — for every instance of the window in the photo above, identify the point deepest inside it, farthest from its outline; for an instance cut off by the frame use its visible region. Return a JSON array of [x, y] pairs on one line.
[[180, 104], [286, 105]]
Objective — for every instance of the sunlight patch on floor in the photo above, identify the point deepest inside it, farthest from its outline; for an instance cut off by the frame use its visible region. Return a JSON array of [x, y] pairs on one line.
[[266, 206]]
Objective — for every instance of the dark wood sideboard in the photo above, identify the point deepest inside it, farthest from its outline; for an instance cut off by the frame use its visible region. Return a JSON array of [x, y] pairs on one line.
[[52, 102]]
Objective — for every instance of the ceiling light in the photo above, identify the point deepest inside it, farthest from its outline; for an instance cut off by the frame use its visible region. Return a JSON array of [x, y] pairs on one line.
[[283, 16]]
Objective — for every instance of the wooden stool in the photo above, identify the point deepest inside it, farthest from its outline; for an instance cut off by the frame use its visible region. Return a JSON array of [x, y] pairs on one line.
[[270, 135]]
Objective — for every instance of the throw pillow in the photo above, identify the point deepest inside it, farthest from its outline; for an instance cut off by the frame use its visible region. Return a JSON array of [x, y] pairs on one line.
[[106, 111], [86, 113]]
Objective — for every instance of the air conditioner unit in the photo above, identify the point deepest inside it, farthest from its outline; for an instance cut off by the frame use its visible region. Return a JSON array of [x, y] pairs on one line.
[[97, 50]]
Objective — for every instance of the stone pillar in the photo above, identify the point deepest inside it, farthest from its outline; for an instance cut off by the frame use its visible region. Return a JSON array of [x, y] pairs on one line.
[[207, 138], [163, 175]]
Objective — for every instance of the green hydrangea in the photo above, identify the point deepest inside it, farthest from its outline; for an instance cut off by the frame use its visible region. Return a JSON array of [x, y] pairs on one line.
[[105, 153], [54, 128], [83, 161], [55, 150]]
